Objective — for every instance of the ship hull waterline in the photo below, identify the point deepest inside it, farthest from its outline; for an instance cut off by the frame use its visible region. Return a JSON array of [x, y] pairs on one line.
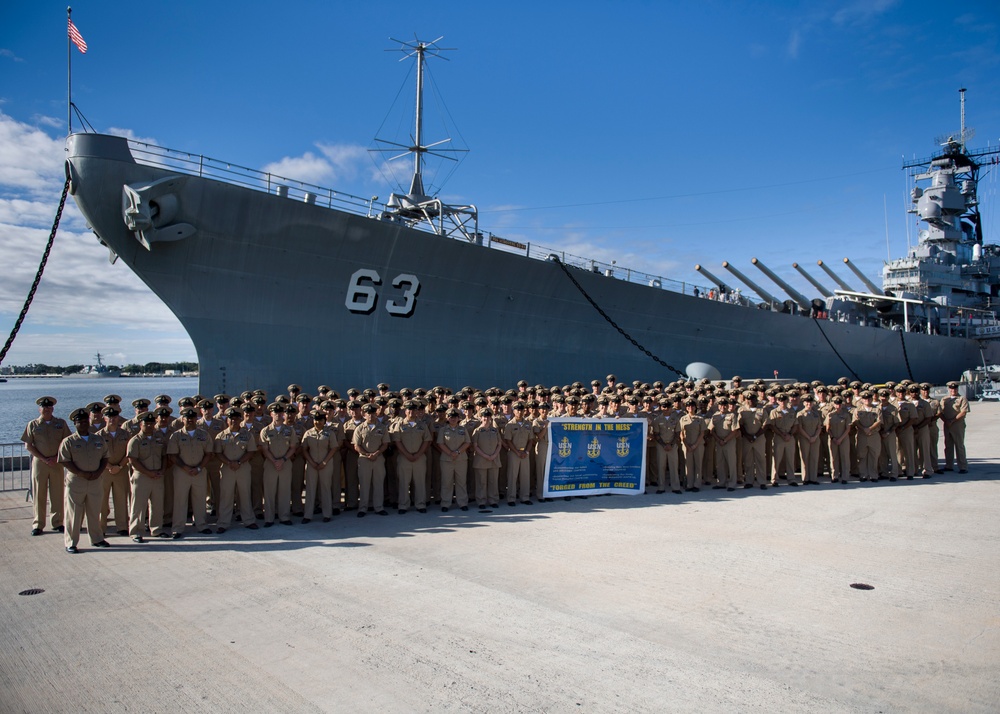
[[262, 287]]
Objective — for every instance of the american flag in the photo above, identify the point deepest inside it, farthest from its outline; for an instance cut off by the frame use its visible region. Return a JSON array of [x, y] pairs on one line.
[[77, 38]]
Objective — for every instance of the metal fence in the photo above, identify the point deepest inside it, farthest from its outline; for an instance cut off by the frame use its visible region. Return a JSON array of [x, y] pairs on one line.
[[15, 467]]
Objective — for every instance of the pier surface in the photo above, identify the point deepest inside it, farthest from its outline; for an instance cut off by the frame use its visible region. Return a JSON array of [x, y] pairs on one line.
[[704, 602]]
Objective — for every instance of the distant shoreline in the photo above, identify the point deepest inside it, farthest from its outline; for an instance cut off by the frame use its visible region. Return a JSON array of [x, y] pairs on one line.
[[131, 375]]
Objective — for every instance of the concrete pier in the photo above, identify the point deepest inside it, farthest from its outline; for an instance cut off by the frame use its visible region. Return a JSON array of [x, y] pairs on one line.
[[703, 602]]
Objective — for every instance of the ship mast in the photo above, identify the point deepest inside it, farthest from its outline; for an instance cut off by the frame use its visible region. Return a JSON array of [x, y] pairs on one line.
[[416, 207]]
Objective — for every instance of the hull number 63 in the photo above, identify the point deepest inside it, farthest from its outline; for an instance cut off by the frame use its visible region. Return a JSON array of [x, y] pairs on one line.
[[362, 293]]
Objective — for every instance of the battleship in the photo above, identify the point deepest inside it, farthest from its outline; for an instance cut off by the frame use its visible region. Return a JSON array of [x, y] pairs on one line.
[[326, 287]]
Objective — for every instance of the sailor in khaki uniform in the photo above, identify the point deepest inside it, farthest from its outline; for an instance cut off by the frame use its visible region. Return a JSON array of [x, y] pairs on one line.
[[213, 424], [888, 460], [487, 443], [809, 427], [234, 447], [147, 459], [752, 423], [370, 441], [922, 432], [908, 417], [350, 458], [453, 441], [134, 425], [412, 439], [189, 450], [838, 427], [954, 409], [320, 448], [692, 431], [277, 442], [540, 438], [517, 436], [42, 437], [781, 423], [868, 425], [116, 475], [84, 456], [725, 430]]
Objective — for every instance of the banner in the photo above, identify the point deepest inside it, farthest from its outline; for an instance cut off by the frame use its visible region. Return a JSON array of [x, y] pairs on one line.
[[592, 456]]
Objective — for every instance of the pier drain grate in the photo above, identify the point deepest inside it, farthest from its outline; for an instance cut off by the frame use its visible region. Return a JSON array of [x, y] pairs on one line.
[[32, 591], [862, 586]]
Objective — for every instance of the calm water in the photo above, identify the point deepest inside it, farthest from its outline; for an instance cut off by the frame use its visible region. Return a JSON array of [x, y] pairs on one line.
[[17, 397]]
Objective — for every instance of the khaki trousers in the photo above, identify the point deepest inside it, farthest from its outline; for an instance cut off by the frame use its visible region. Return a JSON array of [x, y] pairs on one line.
[[784, 458], [487, 484], [277, 491], [954, 445], [229, 480], [693, 458], [667, 463], [809, 455], [869, 448], [414, 472], [323, 481], [371, 479], [47, 485], [83, 497], [191, 490], [518, 477], [116, 486], [453, 480], [725, 463], [147, 494], [754, 463]]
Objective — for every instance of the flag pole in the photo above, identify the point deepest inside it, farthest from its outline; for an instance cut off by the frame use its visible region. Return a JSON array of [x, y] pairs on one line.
[[69, 74]]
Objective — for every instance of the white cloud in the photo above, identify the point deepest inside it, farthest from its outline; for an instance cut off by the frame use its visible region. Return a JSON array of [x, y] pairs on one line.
[[30, 160], [4, 52], [336, 163]]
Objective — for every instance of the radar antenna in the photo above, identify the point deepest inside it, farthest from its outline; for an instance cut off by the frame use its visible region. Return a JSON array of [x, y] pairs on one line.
[[964, 133]]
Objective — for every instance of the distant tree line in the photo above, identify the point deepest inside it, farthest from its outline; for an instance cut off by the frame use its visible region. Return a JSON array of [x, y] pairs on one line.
[[148, 368]]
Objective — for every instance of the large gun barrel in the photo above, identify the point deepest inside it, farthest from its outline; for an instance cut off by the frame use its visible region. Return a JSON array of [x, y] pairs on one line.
[[836, 278], [715, 281], [764, 294], [812, 281], [861, 276], [792, 292]]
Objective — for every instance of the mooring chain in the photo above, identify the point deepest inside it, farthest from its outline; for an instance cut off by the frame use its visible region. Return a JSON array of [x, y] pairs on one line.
[[614, 324], [823, 332], [906, 357], [38, 275]]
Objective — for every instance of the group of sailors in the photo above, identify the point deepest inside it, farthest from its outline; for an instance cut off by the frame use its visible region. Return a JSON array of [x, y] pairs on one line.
[[247, 459]]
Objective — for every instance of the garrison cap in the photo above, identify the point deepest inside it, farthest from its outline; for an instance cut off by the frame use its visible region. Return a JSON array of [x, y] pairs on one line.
[[884, 392], [110, 411], [544, 406], [46, 401], [260, 393], [519, 405], [952, 385], [843, 381], [162, 399], [602, 400], [380, 401], [79, 415], [330, 404], [112, 399], [409, 404], [865, 394], [573, 400], [914, 389], [690, 402], [808, 398], [611, 378], [237, 401], [189, 413], [352, 392], [838, 400], [148, 417], [522, 383]]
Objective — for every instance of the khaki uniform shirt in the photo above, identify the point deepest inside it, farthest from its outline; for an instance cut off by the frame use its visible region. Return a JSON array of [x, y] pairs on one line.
[[117, 445], [46, 436], [487, 438], [665, 428], [190, 448], [867, 417], [692, 427], [368, 438], [319, 442], [837, 422], [147, 450], [453, 438], [752, 421], [280, 440], [890, 417], [410, 434], [951, 407], [232, 445], [518, 433], [85, 453], [781, 420], [810, 422]]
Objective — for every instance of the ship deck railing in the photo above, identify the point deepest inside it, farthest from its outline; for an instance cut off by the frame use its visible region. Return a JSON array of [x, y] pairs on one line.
[[228, 172], [15, 467]]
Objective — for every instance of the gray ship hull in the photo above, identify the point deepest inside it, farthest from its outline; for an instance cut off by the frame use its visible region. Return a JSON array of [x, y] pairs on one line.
[[263, 286]]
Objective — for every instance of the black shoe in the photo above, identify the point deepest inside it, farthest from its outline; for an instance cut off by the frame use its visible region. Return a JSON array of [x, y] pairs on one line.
[[252, 527], [927, 475], [939, 471], [361, 514], [123, 533], [285, 523], [511, 504], [336, 511], [660, 490], [717, 487], [795, 483], [102, 544], [568, 498], [892, 478], [748, 485], [60, 529], [730, 489], [268, 524], [176, 536], [71, 549], [326, 519], [678, 491], [206, 531], [497, 505], [527, 503], [463, 508], [421, 510], [306, 520], [909, 478], [36, 531], [138, 539], [298, 514], [163, 535], [695, 489], [963, 471], [220, 531], [444, 509], [383, 512], [402, 511], [763, 487]]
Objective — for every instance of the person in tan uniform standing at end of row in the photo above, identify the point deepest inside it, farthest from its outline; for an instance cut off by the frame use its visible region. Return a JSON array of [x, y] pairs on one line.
[[954, 409], [84, 456], [42, 438]]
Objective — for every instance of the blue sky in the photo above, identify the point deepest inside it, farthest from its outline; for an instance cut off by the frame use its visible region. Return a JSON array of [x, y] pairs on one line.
[[657, 134]]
